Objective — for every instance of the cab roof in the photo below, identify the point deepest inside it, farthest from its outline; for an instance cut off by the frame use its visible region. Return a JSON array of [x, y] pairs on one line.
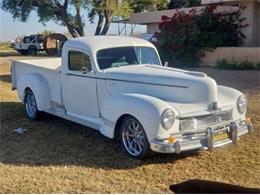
[[95, 43]]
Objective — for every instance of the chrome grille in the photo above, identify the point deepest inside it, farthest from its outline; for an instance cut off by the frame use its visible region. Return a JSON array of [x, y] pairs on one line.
[[200, 122]]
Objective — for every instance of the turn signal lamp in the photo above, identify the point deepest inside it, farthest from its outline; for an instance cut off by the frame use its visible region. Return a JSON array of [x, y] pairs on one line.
[[171, 139], [248, 120]]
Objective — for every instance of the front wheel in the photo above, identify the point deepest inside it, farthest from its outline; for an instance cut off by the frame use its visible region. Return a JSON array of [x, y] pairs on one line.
[[133, 138], [30, 106]]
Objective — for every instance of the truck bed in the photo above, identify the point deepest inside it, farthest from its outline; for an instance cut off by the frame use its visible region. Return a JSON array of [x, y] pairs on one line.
[[47, 63], [46, 67]]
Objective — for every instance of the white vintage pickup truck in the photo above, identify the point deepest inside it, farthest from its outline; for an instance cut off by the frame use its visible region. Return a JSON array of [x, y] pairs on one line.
[[118, 86]]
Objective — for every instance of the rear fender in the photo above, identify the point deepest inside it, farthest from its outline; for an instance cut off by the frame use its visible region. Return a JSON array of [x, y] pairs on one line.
[[39, 86]]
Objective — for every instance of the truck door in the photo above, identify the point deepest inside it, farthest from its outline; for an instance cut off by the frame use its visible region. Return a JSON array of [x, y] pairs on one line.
[[79, 86]]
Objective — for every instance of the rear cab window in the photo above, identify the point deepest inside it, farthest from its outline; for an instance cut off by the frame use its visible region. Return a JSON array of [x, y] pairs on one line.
[[79, 61]]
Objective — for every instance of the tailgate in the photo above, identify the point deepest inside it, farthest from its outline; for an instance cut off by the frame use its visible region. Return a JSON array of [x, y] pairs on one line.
[[13, 75]]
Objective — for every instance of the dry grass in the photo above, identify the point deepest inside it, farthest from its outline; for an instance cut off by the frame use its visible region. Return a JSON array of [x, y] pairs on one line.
[[6, 50], [58, 156]]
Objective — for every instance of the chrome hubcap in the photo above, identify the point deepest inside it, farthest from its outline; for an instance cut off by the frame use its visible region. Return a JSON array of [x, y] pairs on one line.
[[30, 104], [133, 137]]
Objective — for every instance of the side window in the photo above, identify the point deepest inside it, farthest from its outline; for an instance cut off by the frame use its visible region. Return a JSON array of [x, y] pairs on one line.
[[79, 61]]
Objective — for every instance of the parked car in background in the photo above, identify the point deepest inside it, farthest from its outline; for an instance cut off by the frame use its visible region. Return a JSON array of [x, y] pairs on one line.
[[118, 86], [30, 45]]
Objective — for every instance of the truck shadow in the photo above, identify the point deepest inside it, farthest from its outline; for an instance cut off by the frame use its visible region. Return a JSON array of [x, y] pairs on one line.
[[54, 141]]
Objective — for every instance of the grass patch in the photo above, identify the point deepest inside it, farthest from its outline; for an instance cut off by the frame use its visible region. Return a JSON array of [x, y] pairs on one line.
[[234, 65], [5, 46], [6, 50]]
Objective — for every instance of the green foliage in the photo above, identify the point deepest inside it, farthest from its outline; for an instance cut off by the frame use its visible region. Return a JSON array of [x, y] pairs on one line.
[[185, 37], [69, 12], [46, 32], [148, 5], [175, 4], [234, 65]]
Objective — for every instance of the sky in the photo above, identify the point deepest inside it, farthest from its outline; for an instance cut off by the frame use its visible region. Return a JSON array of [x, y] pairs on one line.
[[10, 29]]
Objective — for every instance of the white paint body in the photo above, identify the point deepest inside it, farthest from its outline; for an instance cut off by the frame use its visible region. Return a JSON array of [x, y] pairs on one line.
[[99, 98]]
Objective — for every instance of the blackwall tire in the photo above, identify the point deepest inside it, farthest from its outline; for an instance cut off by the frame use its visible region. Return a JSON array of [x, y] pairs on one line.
[[30, 105], [32, 51], [23, 52], [133, 138]]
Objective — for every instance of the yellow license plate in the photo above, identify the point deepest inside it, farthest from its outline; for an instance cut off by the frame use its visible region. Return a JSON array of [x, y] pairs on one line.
[[220, 136]]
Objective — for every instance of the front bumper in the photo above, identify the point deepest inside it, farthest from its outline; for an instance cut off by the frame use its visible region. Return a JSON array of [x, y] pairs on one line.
[[202, 139]]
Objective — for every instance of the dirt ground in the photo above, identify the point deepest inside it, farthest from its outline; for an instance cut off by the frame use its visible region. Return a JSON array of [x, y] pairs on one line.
[[58, 156]]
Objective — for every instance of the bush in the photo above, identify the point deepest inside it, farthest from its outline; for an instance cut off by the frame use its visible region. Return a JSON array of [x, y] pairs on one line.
[[234, 65], [184, 38]]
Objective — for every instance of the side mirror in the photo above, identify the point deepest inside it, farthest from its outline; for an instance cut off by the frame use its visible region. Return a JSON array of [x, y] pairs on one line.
[[166, 64], [84, 70]]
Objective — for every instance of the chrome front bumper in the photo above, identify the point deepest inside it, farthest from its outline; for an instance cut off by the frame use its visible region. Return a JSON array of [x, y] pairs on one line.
[[202, 139]]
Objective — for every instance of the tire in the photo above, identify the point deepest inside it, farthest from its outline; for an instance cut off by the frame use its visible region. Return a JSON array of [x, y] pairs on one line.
[[23, 52], [32, 51], [133, 138], [26, 39], [30, 106]]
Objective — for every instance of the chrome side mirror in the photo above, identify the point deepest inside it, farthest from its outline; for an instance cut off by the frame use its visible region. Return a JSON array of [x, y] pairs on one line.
[[166, 64], [84, 70]]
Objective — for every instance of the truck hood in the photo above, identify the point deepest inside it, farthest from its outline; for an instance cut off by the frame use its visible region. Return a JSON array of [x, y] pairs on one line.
[[169, 84]]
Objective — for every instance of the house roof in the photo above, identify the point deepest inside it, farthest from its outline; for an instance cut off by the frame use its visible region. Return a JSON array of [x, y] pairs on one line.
[[204, 2], [155, 16]]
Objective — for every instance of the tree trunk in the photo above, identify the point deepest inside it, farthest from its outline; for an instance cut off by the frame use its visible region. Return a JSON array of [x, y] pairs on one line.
[[71, 30], [106, 27], [107, 23], [79, 27], [61, 11], [99, 24]]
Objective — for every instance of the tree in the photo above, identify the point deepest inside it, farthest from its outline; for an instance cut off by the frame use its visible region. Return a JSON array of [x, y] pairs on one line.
[[106, 9], [148, 5], [176, 4], [46, 32], [69, 12]]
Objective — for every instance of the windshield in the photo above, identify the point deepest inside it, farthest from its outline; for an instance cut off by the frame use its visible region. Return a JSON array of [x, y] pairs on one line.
[[122, 56]]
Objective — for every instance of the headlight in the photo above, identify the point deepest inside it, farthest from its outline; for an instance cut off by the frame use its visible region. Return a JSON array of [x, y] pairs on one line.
[[241, 104], [167, 119]]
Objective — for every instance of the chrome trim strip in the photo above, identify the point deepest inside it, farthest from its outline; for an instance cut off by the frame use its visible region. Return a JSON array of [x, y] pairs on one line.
[[122, 80]]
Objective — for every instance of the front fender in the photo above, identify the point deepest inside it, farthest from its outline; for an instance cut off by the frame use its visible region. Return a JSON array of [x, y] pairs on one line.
[[229, 96], [39, 86], [144, 108]]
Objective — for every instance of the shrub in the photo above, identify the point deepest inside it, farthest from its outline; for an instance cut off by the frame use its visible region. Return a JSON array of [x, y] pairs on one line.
[[234, 65], [184, 38]]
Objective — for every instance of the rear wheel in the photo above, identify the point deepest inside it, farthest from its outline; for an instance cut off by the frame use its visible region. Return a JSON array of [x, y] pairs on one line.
[[133, 138], [23, 52], [32, 51], [30, 106]]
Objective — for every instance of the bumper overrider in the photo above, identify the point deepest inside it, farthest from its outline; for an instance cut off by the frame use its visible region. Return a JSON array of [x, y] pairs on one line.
[[208, 138]]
